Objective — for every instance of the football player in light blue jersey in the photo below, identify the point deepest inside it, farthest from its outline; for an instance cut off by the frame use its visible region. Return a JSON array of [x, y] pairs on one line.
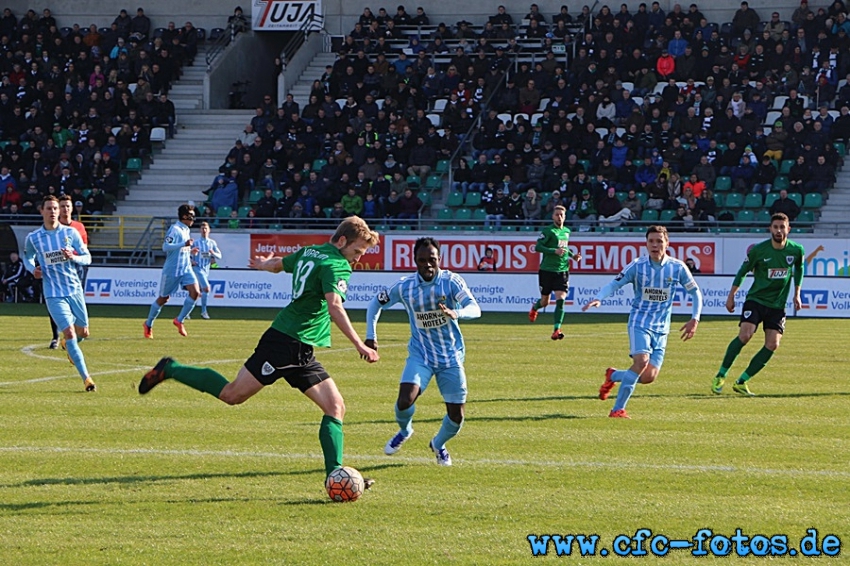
[[654, 278], [435, 300], [177, 272], [58, 249], [204, 252]]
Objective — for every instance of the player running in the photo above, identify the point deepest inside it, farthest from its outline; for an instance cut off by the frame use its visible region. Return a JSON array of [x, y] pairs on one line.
[[58, 250], [435, 299], [554, 273], [319, 284], [654, 278], [66, 210], [177, 271], [774, 263], [204, 251]]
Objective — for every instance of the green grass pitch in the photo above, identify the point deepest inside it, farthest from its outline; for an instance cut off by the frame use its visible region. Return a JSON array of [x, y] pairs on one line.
[[177, 478]]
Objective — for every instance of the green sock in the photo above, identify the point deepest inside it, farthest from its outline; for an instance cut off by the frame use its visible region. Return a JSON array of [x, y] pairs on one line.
[[756, 364], [732, 352], [537, 305], [559, 313], [331, 438], [205, 380]]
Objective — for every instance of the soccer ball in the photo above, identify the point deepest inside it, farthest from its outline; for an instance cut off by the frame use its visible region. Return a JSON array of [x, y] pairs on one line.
[[345, 484]]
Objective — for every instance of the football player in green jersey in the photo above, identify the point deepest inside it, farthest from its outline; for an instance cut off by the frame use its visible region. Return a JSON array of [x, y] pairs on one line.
[[775, 263], [554, 274], [319, 284]]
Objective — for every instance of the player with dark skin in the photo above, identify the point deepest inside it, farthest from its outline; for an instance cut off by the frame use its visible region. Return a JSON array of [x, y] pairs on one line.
[[427, 263]]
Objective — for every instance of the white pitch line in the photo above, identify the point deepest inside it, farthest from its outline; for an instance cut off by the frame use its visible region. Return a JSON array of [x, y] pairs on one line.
[[131, 369], [594, 464]]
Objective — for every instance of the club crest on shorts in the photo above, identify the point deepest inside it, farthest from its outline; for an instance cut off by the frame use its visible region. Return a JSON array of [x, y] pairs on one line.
[[747, 314], [268, 369], [789, 259]]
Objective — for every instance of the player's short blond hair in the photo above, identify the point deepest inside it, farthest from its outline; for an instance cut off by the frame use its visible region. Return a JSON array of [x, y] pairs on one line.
[[559, 207], [354, 228]]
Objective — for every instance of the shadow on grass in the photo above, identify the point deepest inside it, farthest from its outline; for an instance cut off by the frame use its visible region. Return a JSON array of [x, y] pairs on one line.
[[33, 505], [733, 395], [534, 399], [152, 478]]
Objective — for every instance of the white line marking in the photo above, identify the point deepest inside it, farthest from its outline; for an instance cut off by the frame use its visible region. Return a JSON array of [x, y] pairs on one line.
[[595, 464]]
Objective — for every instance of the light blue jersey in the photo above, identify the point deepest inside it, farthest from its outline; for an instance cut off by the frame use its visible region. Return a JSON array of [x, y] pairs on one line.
[[178, 260], [654, 284], [59, 272], [435, 339], [207, 252]]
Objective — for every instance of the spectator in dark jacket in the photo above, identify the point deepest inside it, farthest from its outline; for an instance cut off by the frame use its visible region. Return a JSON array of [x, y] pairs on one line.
[[785, 205]]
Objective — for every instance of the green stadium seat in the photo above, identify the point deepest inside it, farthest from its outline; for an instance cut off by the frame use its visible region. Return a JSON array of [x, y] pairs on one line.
[[785, 166], [473, 199], [382, 228], [585, 163], [414, 181], [443, 166], [649, 216], [667, 215], [86, 193], [425, 197], [798, 230], [134, 165], [223, 212], [719, 200], [734, 200], [813, 201], [276, 227], [123, 179], [722, 147], [745, 216], [277, 194], [508, 228], [445, 214], [435, 227], [770, 198], [463, 214], [806, 217], [796, 197], [528, 228], [763, 216], [722, 183], [622, 195], [622, 229], [243, 211], [403, 227], [328, 210], [840, 148], [479, 214], [318, 164], [642, 197], [433, 182], [455, 199], [454, 228], [754, 201], [254, 197]]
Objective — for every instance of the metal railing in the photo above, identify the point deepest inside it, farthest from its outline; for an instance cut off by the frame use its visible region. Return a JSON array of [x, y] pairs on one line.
[[219, 44], [315, 23]]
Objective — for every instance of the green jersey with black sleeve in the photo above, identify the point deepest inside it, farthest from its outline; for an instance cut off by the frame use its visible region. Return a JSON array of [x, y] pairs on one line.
[[316, 270], [548, 243], [773, 270]]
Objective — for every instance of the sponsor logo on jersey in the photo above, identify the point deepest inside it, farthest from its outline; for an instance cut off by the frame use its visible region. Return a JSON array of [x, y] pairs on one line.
[[430, 319], [54, 257], [268, 369], [814, 299], [656, 294], [780, 273]]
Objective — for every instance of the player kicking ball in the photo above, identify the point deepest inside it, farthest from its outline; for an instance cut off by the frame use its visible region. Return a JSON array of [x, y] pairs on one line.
[[654, 278], [285, 351], [774, 264], [435, 299]]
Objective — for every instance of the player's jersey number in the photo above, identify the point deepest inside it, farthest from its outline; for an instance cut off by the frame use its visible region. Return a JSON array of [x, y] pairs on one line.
[[299, 279]]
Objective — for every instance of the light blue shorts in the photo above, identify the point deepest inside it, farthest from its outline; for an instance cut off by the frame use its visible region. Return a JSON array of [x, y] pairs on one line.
[[643, 341], [169, 284], [203, 280], [450, 381], [67, 311]]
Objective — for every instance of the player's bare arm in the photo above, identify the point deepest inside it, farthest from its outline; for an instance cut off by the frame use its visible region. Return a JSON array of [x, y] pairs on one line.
[[340, 318], [730, 300], [591, 305], [266, 263], [798, 303]]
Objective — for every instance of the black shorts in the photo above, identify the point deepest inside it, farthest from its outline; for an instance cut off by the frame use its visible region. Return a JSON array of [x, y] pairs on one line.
[[280, 356], [553, 281], [755, 313]]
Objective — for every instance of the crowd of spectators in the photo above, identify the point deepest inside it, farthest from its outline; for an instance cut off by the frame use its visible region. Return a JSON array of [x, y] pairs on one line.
[[615, 113], [77, 103]]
